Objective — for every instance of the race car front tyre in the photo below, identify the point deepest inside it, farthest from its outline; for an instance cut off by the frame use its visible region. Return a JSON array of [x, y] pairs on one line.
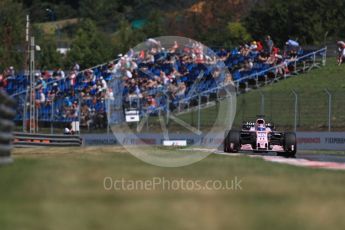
[[290, 145], [232, 142]]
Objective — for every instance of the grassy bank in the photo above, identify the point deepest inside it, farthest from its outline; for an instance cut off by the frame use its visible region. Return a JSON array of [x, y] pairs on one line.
[[279, 101], [63, 189]]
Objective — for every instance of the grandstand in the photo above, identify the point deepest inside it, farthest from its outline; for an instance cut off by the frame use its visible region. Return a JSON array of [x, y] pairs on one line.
[[160, 77]]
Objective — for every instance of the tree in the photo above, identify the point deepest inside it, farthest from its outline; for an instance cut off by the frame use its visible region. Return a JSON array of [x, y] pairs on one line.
[[48, 57], [58, 10], [237, 34], [103, 12], [90, 46], [12, 34], [127, 37], [307, 21], [156, 25]]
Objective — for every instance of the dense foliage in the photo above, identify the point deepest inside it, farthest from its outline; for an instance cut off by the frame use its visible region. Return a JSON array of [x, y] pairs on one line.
[[310, 22], [12, 33], [104, 28]]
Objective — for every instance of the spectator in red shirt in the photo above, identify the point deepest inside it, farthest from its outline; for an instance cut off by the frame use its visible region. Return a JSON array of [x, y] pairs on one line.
[[260, 47], [3, 81]]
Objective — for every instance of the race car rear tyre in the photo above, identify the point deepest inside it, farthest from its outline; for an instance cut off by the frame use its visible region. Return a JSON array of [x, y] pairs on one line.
[[290, 145], [232, 142]]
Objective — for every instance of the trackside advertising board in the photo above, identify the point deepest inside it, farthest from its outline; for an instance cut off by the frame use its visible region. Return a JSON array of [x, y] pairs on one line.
[[305, 140]]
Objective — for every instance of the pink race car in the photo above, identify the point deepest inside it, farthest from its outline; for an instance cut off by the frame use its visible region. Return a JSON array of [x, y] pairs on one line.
[[260, 137]]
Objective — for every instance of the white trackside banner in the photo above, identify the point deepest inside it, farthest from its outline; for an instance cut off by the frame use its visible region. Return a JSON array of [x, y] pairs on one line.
[[305, 140]]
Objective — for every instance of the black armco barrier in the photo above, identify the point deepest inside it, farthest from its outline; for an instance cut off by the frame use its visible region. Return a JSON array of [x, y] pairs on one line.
[[47, 140], [7, 114]]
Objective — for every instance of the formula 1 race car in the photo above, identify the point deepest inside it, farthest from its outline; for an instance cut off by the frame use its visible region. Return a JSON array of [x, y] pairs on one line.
[[260, 137]]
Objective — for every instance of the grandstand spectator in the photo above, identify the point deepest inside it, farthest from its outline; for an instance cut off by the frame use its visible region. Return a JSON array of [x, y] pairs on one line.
[[143, 73], [41, 99], [55, 89], [181, 90], [272, 59], [3, 82], [61, 73], [291, 48], [154, 45], [99, 118], [72, 77], [341, 52], [88, 76], [149, 59], [281, 65], [268, 44], [342, 56], [174, 48], [9, 73], [248, 65], [228, 79], [111, 69], [110, 94], [73, 110], [253, 46], [68, 130], [40, 82], [172, 88], [76, 67], [164, 78], [260, 47], [152, 104], [85, 116], [262, 58], [67, 102], [292, 45], [245, 50], [103, 84]]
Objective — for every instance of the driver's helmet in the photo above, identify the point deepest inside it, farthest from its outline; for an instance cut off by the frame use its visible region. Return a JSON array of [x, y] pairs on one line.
[[260, 125]]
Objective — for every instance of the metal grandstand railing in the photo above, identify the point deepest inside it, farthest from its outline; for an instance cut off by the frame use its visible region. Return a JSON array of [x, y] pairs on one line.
[[308, 57], [297, 69], [300, 64]]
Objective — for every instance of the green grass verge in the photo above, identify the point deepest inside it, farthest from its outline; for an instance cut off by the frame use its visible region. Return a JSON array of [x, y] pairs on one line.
[[279, 101], [52, 188]]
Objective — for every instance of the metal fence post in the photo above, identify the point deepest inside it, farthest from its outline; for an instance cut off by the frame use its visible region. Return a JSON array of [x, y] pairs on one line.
[[262, 103], [79, 113], [108, 120], [36, 122], [199, 110], [25, 113], [168, 108], [324, 57], [296, 109], [52, 118], [329, 109]]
